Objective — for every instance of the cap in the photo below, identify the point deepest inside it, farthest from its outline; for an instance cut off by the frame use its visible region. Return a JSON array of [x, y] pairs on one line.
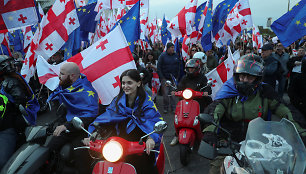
[[267, 47]]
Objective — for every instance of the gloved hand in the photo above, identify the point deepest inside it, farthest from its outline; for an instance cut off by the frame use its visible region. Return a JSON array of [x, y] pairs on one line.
[[210, 138]]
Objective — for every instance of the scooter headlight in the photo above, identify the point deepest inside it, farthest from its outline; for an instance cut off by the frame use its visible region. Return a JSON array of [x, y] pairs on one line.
[[187, 94], [112, 151]]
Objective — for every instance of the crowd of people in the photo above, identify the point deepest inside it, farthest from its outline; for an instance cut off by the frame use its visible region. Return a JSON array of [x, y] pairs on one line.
[[262, 79]]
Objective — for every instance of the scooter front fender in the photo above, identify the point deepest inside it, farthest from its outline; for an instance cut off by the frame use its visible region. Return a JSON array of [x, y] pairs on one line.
[[105, 167], [26, 160], [187, 136]]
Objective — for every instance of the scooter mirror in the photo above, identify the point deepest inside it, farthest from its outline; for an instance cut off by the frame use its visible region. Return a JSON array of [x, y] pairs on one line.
[[209, 83], [168, 82], [77, 122], [206, 118], [160, 126]]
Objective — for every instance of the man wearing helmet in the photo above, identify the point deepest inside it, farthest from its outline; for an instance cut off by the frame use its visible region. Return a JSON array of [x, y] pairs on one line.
[[203, 59], [18, 99], [194, 80], [241, 99]]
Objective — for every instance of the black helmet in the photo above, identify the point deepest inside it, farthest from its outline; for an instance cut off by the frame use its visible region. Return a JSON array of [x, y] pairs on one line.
[[6, 64], [193, 63], [249, 64]]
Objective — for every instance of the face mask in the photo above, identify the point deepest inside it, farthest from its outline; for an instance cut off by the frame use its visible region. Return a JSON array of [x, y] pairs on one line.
[[245, 88]]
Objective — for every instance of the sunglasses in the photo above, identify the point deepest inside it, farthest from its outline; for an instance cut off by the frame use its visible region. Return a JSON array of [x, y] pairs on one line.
[[193, 50]]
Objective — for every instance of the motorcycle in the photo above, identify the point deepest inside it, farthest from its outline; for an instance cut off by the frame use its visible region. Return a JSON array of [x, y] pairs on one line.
[[34, 155], [269, 147], [186, 123], [115, 149]]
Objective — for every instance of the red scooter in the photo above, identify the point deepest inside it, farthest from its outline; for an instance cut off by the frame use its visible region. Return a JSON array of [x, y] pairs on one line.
[[186, 123], [115, 149]]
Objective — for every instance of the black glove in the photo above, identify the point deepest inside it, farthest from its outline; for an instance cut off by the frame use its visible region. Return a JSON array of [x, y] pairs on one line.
[[210, 138]]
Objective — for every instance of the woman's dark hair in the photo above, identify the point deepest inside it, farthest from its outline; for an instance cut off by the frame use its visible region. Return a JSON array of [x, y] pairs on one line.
[[146, 59], [134, 75]]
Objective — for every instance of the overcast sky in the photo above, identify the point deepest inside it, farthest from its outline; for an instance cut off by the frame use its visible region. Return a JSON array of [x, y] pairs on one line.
[[261, 9]]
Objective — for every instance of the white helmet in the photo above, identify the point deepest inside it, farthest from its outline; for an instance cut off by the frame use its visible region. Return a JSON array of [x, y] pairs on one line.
[[200, 55]]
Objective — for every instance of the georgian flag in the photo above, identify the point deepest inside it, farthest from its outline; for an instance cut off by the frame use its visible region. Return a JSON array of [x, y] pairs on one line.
[[182, 23], [185, 48], [221, 74], [102, 63], [237, 20], [56, 26], [144, 11], [256, 38], [28, 36], [41, 12], [15, 14]]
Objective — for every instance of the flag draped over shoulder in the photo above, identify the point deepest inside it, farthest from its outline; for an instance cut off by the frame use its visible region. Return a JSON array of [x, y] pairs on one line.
[[32, 105], [81, 99], [145, 123], [292, 25], [15, 14]]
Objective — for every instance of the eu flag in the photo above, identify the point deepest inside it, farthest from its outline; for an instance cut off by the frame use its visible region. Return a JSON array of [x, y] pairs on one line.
[[80, 99], [130, 24], [86, 17], [73, 45], [16, 39], [165, 34], [198, 15], [292, 25], [206, 36], [146, 122], [220, 14]]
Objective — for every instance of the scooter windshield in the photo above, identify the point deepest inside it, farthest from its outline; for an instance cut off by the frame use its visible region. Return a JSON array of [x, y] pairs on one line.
[[274, 147]]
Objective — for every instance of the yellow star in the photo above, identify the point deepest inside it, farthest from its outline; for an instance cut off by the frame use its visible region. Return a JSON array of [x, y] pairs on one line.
[[201, 16], [66, 49], [298, 22], [120, 21], [228, 9], [89, 11], [221, 22], [208, 25], [198, 19], [79, 9], [84, 10], [161, 118], [71, 88], [127, 18], [304, 24], [91, 93], [150, 98], [154, 106], [134, 18], [80, 90], [202, 11], [297, 4], [209, 9], [228, 5], [129, 43], [224, 3]]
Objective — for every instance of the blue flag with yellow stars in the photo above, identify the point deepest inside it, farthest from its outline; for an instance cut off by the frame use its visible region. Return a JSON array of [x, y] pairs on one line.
[[32, 105], [198, 15], [165, 34], [145, 123], [130, 25], [220, 14], [16, 39], [80, 99], [206, 36], [86, 17], [73, 44], [292, 25]]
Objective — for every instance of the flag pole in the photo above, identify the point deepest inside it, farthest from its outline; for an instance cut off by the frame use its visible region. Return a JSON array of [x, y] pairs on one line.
[[288, 5], [1, 50]]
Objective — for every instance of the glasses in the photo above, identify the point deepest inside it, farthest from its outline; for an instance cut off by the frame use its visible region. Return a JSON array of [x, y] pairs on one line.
[[193, 50]]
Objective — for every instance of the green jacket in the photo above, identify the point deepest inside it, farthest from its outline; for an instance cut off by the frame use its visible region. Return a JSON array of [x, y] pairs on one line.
[[234, 115]]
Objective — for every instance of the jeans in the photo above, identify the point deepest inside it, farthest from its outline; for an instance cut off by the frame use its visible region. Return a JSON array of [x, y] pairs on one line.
[[8, 138], [168, 99]]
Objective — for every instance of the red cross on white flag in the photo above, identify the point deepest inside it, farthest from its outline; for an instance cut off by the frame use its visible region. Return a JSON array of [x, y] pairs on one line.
[[238, 19], [15, 14], [182, 23], [102, 63], [56, 26], [28, 36], [221, 74]]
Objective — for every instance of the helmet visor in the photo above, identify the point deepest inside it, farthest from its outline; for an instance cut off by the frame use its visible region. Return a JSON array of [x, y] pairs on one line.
[[249, 67]]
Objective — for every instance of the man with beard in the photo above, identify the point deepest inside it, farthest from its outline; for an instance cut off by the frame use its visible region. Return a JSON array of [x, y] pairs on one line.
[[80, 99]]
